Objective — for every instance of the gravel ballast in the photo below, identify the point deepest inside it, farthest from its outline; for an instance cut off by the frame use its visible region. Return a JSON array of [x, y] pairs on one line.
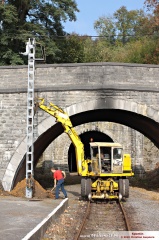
[[142, 208]]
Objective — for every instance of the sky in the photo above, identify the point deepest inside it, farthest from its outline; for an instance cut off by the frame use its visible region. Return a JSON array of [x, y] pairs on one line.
[[91, 10]]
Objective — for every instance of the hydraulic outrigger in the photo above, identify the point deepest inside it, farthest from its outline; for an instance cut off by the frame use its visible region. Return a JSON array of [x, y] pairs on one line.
[[105, 175]]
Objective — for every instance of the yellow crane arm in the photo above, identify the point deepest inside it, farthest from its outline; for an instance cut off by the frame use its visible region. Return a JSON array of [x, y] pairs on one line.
[[64, 119]]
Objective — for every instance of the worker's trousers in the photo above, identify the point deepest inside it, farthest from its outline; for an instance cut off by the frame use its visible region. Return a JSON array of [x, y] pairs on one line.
[[60, 184]]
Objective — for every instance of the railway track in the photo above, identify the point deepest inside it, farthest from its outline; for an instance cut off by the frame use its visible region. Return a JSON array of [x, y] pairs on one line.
[[101, 220]]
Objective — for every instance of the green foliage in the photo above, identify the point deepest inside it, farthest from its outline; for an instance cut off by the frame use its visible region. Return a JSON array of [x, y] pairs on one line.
[[24, 19], [130, 36], [72, 49], [124, 25], [97, 51], [145, 50], [106, 27], [127, 36]]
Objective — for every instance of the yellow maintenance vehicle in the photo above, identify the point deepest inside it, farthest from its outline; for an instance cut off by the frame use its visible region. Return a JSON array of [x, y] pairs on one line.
[[105, 175]]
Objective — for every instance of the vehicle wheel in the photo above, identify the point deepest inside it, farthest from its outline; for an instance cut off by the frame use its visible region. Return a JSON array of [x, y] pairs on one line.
[[88, 186], [124, 187], [121, 187], [85, 187]]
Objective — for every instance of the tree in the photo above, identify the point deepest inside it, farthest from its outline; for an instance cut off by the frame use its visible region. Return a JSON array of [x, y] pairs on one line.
[[129, 23], [153, 6], [23, 19], [71, 49], [106, 27], [97, 50], [128, 36], [123, 25], [8, 48]]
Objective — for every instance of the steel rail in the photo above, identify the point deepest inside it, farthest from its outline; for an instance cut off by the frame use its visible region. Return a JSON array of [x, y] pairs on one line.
[[76, 237], [127, 224], [125, 217]]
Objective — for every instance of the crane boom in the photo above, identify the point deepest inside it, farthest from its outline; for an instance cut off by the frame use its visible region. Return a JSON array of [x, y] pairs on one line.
[[62, 117]]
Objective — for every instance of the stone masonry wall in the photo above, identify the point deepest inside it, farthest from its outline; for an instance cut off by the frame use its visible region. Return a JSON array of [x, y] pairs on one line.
[[68, 84]]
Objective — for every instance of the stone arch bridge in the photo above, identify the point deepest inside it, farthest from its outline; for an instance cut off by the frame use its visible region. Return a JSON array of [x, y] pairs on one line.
[[117, 100]]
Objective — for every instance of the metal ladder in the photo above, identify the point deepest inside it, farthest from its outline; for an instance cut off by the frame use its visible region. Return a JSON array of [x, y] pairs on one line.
[[30, 49], [32, 119]]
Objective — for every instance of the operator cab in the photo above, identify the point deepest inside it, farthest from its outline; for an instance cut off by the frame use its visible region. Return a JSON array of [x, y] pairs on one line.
[[106, 157]]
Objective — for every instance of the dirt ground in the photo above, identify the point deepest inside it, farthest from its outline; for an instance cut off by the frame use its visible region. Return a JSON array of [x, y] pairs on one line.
[[19, 191]]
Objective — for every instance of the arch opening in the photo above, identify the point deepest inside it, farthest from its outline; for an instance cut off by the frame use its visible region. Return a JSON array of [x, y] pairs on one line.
[[143, 124]]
